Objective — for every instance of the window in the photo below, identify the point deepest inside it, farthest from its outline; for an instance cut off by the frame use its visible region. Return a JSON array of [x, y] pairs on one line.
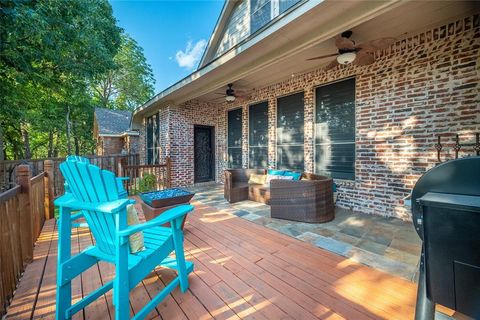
[[335, 130], [235, 138], [260, 14], [153, 141], [264, 11], [286, 4], [258, 135], [290, 115], [149, 140]]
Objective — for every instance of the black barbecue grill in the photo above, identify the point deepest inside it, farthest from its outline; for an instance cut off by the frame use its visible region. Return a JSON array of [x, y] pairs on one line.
[[446, 215]]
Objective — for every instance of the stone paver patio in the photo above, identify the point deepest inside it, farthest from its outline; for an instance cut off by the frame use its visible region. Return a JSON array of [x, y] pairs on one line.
[[387, 244]]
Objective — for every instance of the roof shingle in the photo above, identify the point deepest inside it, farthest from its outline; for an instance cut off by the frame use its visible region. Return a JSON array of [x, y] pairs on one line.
[[112, 121]]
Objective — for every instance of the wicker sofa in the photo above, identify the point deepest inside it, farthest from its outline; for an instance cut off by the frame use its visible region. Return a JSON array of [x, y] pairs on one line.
[[308, 200]]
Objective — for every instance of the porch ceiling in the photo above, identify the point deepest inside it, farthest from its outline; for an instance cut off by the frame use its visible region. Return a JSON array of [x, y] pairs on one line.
[[405, 20]]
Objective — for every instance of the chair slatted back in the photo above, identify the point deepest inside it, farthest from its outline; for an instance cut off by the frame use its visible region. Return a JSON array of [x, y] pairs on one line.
[[90, 184], [77, 158]]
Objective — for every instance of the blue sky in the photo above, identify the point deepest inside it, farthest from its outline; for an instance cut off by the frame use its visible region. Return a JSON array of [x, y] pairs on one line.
[[173, 34]]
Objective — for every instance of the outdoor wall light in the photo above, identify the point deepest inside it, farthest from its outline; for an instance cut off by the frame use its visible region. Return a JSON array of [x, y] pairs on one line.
[[230, 98], [346, 58]]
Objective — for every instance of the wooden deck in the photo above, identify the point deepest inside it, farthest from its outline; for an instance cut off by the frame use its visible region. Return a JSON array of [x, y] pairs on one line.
[[242, 270]]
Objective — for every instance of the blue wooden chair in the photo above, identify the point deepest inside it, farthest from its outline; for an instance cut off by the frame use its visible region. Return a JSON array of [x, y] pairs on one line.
[[94, 192], [119, 180], [79, 215]]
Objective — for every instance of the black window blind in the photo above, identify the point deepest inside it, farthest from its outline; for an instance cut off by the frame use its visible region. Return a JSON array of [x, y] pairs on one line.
[[290, 125], [335, 130], [258, 135], [234, 138]]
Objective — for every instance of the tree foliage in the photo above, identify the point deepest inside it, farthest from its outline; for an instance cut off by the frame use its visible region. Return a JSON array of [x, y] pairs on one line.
[[130, 83], [51, 54]]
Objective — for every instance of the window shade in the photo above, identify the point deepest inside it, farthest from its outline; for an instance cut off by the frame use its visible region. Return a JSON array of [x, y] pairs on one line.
[[258, 135], [335, 130], [235, 138], [290, 125]]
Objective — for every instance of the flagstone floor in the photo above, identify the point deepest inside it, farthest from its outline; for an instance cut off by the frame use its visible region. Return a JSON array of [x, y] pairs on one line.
[[387, 244]]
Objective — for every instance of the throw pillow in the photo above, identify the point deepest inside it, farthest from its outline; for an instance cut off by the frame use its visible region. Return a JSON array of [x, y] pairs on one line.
[[276, 172], [135, 240], [257, 178], [271, 177], [296, 175]]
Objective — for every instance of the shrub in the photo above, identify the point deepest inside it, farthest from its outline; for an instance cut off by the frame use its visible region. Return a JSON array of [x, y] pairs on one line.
[[144, 184]]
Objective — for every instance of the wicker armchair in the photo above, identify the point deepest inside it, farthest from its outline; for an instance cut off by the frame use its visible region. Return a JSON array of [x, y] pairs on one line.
[[308, 200], [236, 183]]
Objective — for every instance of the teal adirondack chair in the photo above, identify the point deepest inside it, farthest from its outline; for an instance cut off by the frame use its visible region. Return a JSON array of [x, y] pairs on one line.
[[119, 180], [94, 192], [119, 183]]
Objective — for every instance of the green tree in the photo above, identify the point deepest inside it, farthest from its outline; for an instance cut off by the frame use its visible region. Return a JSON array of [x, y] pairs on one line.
[[130, 83], [50, 52]]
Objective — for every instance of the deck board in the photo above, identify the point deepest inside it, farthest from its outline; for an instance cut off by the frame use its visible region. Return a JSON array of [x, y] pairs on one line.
[[242, 271]]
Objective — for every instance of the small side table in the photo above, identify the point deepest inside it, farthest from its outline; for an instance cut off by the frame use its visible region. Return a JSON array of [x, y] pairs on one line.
[[156, 202]]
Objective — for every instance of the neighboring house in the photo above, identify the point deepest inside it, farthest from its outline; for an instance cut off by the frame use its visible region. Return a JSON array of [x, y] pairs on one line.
[[111, 129], [372, 127]]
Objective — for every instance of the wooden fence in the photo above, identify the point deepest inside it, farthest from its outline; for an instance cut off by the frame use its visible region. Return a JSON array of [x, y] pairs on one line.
[[110, 162], [23, 210], [147, 177]]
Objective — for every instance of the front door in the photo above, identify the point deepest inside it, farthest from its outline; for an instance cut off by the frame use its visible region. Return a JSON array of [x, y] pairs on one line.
[[204, 154]]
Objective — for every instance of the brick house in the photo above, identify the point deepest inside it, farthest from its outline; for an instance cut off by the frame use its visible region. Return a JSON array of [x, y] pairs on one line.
[[372, 124], [111, 130]]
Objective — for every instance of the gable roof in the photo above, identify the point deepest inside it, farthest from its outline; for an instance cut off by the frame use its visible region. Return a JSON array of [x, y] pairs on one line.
[[302, 27], [217, 32], [112, 122]]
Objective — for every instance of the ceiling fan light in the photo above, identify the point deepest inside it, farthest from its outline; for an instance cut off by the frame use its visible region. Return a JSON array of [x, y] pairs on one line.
[[346, 58], [230, 98]]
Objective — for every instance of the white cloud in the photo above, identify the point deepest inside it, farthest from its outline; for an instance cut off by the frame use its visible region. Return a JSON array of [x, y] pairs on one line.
[[192, 54]]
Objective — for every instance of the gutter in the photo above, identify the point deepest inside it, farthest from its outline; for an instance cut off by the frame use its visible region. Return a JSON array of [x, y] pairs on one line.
[[120, 135]]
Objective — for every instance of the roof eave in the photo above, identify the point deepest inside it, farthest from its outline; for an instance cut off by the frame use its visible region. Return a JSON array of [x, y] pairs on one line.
[[165, 97], [219, 25]]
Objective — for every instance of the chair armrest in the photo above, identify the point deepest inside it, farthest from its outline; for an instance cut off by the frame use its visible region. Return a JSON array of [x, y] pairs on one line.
[[123, 178], [76, 216], [228, 180], [69, 201], [165, 217]]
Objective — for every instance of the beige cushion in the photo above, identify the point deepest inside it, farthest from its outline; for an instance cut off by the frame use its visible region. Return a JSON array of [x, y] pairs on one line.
[[271, 177], [257, 178], [136, 240]]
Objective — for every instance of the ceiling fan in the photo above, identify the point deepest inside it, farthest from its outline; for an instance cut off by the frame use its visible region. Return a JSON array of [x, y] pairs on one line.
[[349, 52], [230, 94]]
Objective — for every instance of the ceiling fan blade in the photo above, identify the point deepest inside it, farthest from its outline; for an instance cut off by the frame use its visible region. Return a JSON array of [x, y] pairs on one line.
[[323, 57], [344, 43], [377, 44], [364, 58], [222, 94], [331, 65]]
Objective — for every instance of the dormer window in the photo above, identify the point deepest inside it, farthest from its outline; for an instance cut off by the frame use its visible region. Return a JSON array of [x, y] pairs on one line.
[[260, 14], [264, 11]]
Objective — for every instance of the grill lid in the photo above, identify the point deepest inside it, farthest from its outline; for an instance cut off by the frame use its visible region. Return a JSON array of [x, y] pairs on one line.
[[460, 176]]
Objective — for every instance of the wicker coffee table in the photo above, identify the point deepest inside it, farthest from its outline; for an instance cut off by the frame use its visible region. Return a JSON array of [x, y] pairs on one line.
[[156, 202]]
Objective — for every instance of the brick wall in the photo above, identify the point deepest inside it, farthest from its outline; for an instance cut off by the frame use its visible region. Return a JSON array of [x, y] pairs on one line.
[[109, 145], [131, 143], [420, 87]]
